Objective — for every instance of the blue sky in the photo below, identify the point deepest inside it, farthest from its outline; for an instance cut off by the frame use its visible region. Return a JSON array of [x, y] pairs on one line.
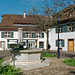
[[18, 6]]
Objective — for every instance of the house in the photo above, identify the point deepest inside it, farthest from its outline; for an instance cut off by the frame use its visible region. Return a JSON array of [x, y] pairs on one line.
[[66, 31], [9, 32]]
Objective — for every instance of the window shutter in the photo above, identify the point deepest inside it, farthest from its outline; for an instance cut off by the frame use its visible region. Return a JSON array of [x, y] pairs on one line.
[[33, 35], [56, 42], [27, 43], [74, 28], [2, 34], [8, 44], [42, 35], [64, 28], [56, 29], [11, 34], [62, 43], [23, 35]]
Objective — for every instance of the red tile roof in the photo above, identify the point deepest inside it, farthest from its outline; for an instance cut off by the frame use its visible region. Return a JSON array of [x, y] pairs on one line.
[[8, 22]]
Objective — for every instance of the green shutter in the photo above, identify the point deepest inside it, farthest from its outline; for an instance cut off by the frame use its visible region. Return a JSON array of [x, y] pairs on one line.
[[62, 43], [27, 43], [74, 28], [33, 35], [11, 34], [7, 44], [2, 34], [64, 28], [56, 42], [23, 35], [42, 35], [56, 29]]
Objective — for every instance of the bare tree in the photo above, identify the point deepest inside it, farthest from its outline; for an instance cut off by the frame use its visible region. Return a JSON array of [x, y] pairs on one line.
[[45, 21], [49, 17]]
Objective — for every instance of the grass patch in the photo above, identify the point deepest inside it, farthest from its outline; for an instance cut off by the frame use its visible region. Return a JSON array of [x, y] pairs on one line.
[[70, 62], [49, 55]]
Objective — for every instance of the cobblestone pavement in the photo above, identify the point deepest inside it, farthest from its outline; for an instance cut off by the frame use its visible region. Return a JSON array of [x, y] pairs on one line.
[[4, 55], [56, 67]]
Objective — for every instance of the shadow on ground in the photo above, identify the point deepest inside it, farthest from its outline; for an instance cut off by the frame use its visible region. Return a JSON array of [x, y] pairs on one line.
[[72, 72]]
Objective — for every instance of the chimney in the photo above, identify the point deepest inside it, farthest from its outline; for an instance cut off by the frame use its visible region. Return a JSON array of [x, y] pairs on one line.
[[24, 14]]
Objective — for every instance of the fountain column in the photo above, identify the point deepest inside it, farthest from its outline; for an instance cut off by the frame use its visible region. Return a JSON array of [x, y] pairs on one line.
[[20, 36]]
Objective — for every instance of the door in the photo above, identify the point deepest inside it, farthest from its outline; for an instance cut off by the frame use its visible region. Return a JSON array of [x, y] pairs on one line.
[[71, 45], [31, 44]]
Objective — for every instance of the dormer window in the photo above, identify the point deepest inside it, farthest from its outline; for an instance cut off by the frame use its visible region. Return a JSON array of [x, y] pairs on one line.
[[23, 24], [71, 14], [60, 29], [70, 27]]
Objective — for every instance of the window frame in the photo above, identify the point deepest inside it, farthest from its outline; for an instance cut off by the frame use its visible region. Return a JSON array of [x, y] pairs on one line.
[[41, 42]]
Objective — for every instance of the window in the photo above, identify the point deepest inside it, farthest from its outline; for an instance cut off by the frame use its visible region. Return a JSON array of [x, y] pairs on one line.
[[23, 35], [60, 29], [33, 35], [26, 34], [29, 34], [61, 43], [71, 14], [42, 35], [6, 34], [70, 27], [41, 44], [23, 24], [3, 44], [38, 35]]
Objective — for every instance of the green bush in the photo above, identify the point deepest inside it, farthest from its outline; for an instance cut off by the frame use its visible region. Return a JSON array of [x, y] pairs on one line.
[[70, 62], [49, 55], [8, 70], [1, 61]]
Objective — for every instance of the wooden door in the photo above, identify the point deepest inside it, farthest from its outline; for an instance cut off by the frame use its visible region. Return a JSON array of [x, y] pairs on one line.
[[71, 45]]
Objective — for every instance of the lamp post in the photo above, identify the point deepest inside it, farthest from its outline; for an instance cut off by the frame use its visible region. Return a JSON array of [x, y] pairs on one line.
[[58, 37]]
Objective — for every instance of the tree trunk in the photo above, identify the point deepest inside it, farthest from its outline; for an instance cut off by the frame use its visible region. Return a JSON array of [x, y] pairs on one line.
[[47, 42]]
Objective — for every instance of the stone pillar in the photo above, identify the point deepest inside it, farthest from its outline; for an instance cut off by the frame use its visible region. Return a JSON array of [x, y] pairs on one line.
[[20, 36]]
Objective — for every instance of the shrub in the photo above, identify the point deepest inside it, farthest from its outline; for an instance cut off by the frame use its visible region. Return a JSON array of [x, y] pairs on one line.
[[1, 61], [8, 70], [70, 62]]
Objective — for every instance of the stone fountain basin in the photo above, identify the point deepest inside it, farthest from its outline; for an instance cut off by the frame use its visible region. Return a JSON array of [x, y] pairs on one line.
[[24, 57]]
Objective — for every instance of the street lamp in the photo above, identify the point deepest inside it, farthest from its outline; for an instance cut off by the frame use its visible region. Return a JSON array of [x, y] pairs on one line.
[[58, 36]]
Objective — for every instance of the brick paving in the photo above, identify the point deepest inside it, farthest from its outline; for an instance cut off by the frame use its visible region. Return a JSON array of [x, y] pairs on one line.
[[56, 67]]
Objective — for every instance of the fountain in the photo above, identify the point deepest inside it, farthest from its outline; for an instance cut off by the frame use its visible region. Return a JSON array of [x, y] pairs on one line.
[[26, 58], [23, 56]]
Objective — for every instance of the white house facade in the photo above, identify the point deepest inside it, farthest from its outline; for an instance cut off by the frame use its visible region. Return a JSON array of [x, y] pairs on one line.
[[66, 30], [66, 38], [10, 39]]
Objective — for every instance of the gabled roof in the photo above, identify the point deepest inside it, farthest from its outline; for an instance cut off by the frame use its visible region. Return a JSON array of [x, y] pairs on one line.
[[65, 14], [9, 19], [8, 22]]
